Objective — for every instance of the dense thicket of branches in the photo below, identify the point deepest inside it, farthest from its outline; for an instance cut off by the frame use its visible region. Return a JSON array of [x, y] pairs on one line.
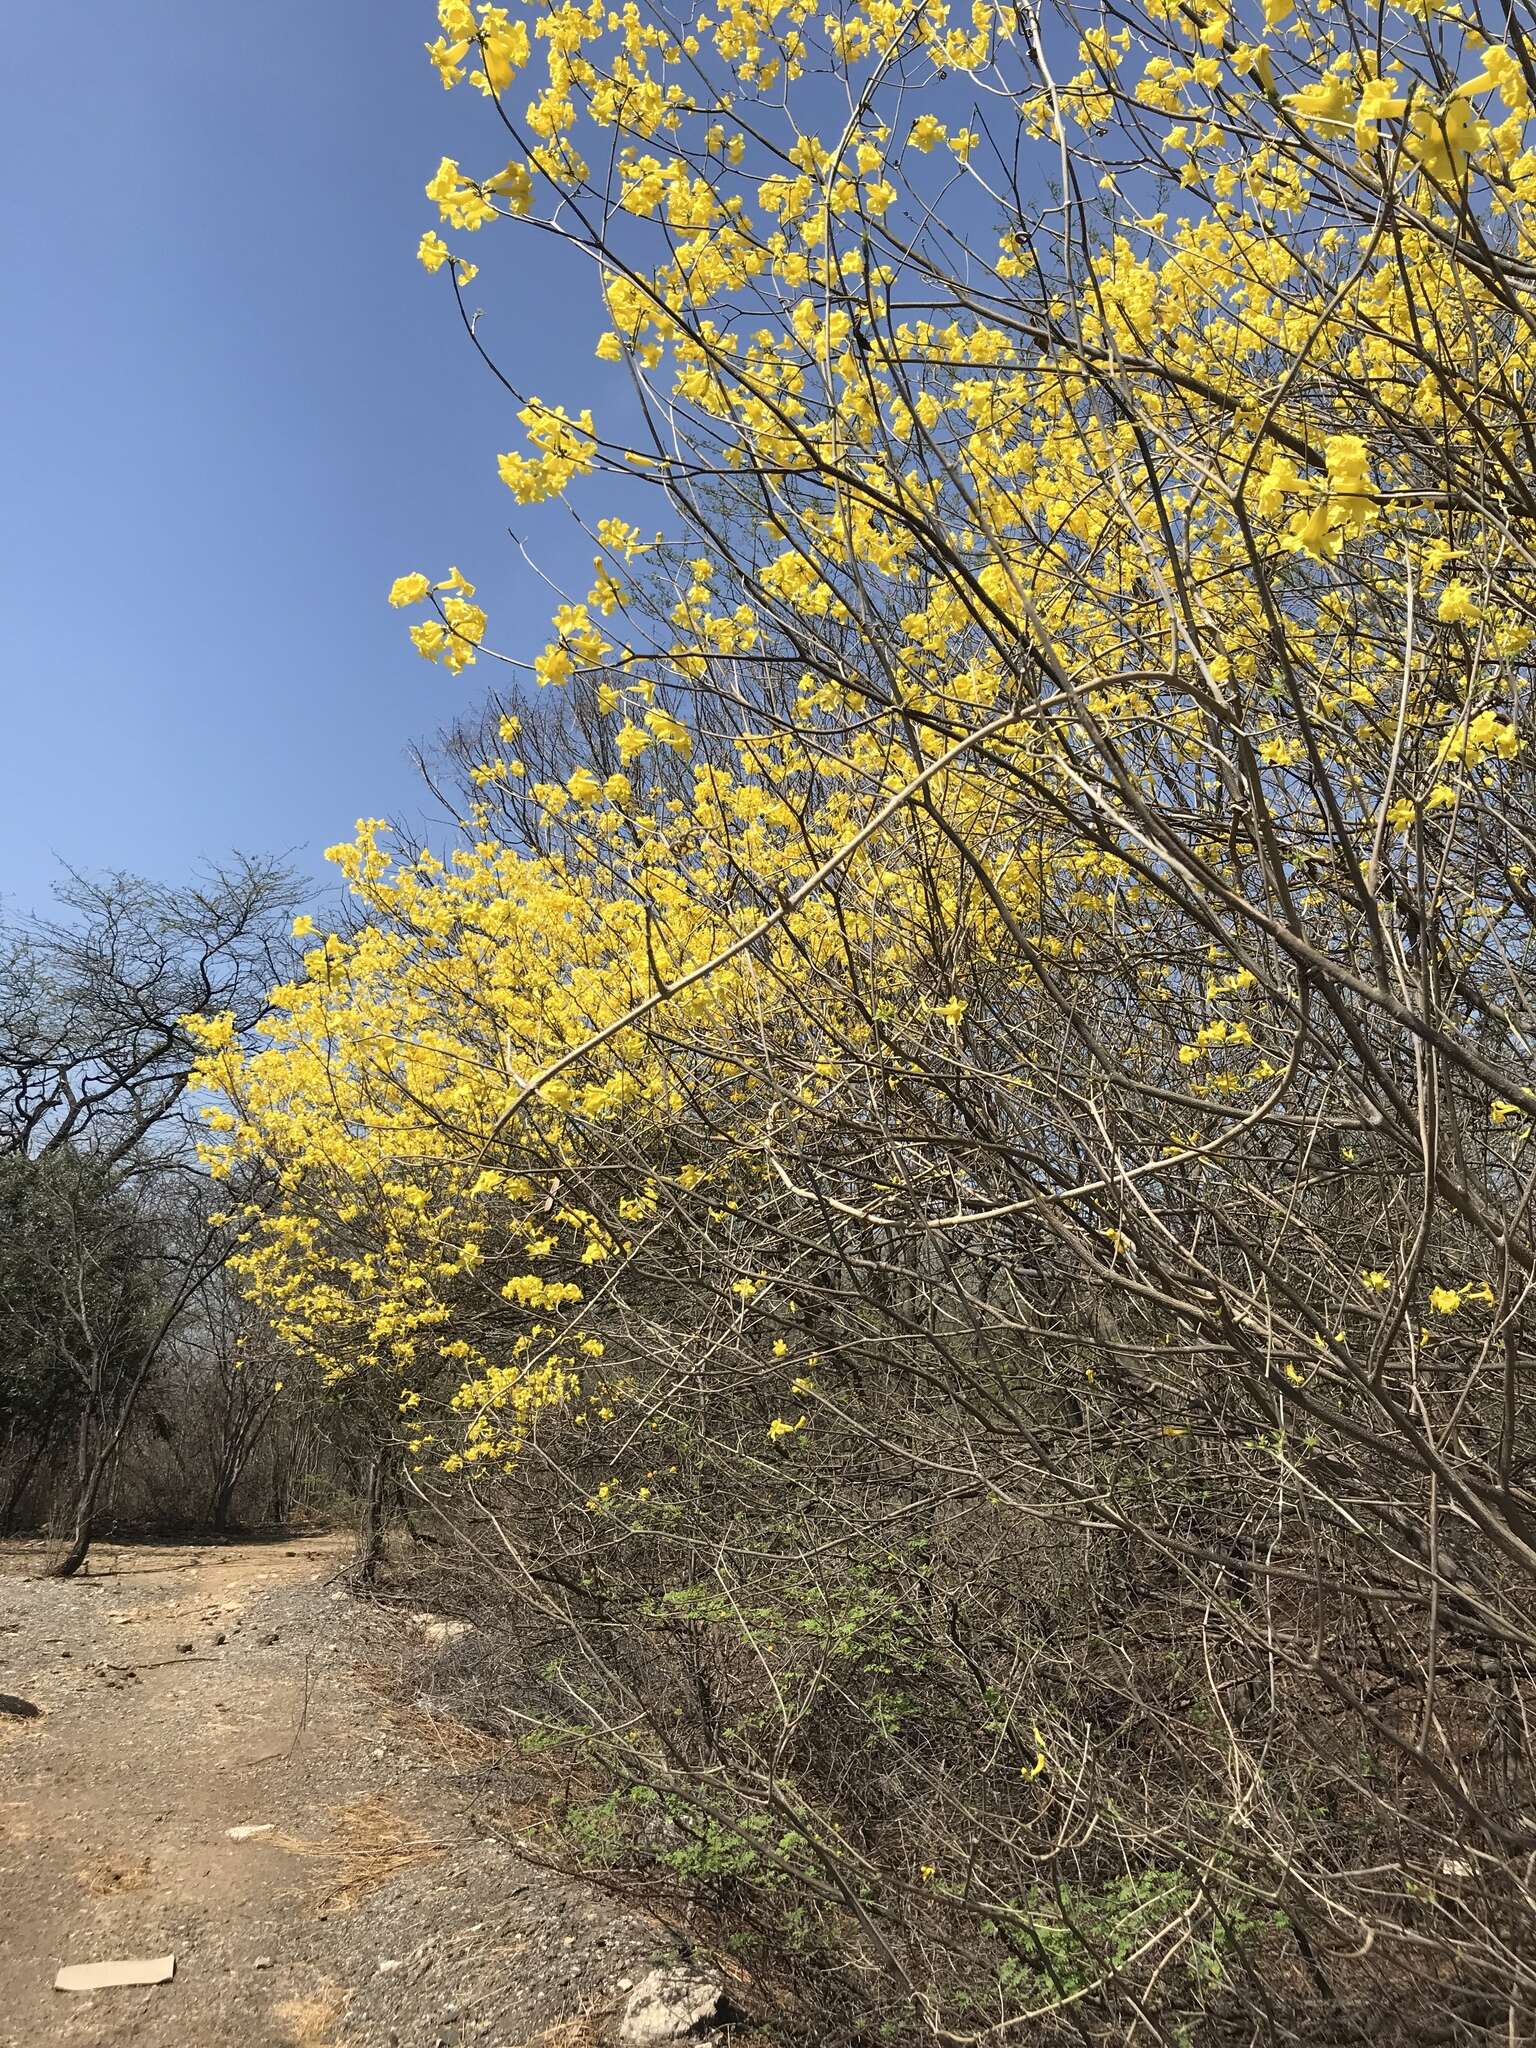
[[940, 1190]]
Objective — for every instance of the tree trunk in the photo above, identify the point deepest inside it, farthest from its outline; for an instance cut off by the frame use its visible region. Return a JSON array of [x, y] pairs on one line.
[[370, 1535], [231, 1470], [218, 1509], [91, 1475], [86, 1499]]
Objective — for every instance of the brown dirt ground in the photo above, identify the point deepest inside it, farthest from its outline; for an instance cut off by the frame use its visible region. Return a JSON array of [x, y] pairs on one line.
[[186, 1691]]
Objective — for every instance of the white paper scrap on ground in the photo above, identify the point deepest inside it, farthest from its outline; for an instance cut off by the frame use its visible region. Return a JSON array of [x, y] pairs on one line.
[[245, 1833], [100, 1976]]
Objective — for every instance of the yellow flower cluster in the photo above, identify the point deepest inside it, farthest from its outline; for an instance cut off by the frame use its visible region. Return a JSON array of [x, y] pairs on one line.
[[457, 631], [1027, 596]]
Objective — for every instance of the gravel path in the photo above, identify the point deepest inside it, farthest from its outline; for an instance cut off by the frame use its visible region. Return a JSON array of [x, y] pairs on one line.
[[184, 1692]]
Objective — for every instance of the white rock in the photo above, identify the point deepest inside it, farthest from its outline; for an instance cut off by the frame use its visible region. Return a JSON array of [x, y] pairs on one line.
[[244, 1834], [388, 1966], [440, 1632], [666, 2006]]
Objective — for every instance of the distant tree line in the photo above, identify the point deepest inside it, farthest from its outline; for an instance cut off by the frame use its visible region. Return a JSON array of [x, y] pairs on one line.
[[136, 1385]]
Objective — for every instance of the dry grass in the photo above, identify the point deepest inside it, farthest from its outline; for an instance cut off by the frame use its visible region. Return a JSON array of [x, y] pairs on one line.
[[584, 2030], [456, 1745], [310, 2022], [106, 1875], [370, 1844]]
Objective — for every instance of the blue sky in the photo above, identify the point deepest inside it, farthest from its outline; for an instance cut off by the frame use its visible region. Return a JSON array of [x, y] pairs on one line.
[[234, 409]]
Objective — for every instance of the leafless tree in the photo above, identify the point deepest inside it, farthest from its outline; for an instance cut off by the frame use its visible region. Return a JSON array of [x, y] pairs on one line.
[[96, 1122]]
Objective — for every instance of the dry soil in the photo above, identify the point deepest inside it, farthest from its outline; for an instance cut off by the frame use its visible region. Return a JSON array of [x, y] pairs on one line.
[[187, 1691]]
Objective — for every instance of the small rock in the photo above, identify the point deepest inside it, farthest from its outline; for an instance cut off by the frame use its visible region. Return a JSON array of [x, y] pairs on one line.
[[183, 1649], [262, 1963], [23, 1710], [667, 2005], [388, 1965], [250, 1828], [440, 1632]]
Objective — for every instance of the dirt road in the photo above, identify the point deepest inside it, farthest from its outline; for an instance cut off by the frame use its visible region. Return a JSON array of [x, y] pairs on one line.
[[186, 1692]]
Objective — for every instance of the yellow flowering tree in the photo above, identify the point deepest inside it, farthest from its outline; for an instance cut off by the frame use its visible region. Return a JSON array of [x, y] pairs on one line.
[[946, 1157]]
